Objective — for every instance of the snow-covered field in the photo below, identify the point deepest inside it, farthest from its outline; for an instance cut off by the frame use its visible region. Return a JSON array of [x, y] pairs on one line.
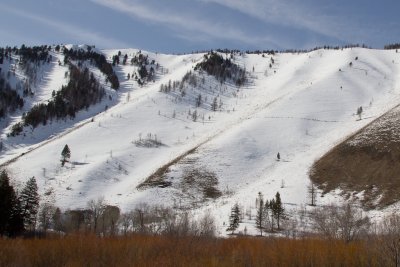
[[299, 108]]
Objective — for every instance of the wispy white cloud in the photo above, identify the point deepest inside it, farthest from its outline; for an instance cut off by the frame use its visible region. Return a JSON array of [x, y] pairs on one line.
[[189, 26], [74, 32], [294, 14]]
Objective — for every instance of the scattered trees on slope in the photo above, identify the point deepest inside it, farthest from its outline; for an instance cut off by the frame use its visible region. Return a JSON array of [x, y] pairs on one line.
[[65, 155], [234, 218], [269, 212], [81, 91], [146, 71], [99, 60], [261, 213], [392, 46], [222, 69], [10, 100], [29, 60], [359, 112], [33, 54]]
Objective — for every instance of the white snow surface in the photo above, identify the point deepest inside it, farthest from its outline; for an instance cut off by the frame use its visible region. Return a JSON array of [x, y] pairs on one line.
[[301, 107]]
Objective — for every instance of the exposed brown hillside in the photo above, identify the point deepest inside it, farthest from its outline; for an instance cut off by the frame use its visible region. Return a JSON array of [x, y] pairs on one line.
[[368, 162]]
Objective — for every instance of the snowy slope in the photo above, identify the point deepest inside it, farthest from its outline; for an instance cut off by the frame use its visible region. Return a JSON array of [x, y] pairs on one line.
[[301, 107], [48, 77]]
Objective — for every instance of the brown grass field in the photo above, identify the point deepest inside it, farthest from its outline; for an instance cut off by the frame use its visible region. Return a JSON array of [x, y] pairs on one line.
[[137, 250]]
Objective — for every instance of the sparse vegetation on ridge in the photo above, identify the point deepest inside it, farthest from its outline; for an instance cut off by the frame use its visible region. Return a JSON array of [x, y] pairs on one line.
[[99, 60], [81, 91], [222, 69], [366, 163]]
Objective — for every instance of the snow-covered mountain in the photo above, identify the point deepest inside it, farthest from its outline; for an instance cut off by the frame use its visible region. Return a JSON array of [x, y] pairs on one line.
[[142, 144]]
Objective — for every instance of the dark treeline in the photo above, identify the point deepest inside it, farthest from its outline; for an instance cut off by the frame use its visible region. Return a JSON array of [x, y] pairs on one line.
[[32, 54], [222, 69], [326, 47], [142, 61], [146, 68], [273, 52], [10, 100], [392, 46], [81, 91], [18, 210], [99, 60], [268, 52]]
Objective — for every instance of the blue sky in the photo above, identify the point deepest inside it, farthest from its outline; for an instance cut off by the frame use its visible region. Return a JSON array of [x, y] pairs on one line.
[[188, 25]]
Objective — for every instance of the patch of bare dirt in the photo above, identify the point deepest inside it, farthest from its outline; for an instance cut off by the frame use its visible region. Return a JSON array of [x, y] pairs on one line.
[[368, 162]]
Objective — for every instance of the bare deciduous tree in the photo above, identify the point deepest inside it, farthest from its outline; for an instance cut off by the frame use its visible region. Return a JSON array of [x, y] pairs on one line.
[[109, 220], [46, 215], [340, 222], [388, 240], [96, 209], [312, 194]]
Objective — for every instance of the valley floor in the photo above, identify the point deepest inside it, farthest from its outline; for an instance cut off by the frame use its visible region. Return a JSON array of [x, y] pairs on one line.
[[166, 251]]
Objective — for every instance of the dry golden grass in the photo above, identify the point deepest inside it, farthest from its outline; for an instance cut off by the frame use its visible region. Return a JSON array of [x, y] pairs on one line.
[[368, 162], [189, 251]]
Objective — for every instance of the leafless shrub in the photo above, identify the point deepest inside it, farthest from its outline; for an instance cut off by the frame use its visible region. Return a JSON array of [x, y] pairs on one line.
[[160, 220], [388, 240], [340, 222]]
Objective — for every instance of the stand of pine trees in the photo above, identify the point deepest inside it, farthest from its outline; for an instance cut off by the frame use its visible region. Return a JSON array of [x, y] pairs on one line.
[[269, 213], [222, 69], [10, 100], [234, 219], [26, 53], [81, 91], [99, 61], [17, 213], [392, 46]]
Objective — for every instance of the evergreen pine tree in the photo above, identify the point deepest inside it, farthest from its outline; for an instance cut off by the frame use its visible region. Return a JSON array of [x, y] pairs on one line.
[[11, 222], [234, 218], [272, 207], [5, 202], [29, 199], [277, 209], [57, 220], [194, 116], [266, 220], [16, 226], [214, 104], [359, 112], [260, 216], [198, 100], [65, 155]]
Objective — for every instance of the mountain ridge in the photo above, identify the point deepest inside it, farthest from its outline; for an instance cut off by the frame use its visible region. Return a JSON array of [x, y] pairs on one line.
[[298, 105]]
